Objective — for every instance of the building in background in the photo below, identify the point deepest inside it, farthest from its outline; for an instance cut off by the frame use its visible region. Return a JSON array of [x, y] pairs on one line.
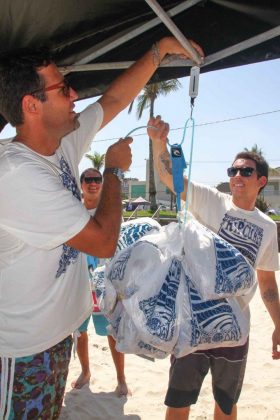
[[133, 188], [126, 187], [271, 192], [137, 189], [163, 193]]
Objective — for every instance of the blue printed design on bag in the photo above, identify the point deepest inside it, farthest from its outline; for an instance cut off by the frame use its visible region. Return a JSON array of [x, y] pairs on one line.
[[151, 349], [98, 283], [131, 233], [115, 318], [69, 254], [212, 321], [243, 235], [159, 310], [115, 324], [118, 267], [233, 273]]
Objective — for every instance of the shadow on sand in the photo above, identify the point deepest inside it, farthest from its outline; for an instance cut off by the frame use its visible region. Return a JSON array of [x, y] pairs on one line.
[[83, 404]]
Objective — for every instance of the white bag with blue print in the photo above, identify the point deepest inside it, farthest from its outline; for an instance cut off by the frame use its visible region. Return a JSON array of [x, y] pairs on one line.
[[163, 310], [208, 324], [217, 268], [130, 232], [149, 303]]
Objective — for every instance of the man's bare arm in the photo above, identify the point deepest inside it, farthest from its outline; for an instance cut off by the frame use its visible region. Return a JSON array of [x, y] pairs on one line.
[[100, 236], [162, 159], [270, 296], [128, 85]]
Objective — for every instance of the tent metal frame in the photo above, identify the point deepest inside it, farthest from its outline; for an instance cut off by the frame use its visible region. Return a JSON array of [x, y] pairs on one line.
[[165, 18]]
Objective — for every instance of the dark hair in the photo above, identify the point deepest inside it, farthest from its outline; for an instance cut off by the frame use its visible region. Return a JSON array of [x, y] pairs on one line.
[[82, 176], [261, 164], [19, 77]]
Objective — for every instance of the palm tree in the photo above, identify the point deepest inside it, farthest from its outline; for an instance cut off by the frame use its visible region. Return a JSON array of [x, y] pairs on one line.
[[254, 149], [147, 100], [97, 159]]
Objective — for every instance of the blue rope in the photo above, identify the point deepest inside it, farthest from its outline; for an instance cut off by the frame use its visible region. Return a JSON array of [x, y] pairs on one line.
[[190, 168], [138, 128], [178, 196]]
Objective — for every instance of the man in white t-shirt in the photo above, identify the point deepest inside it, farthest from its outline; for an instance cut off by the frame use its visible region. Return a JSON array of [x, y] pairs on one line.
[[236, 219], [44, 227]]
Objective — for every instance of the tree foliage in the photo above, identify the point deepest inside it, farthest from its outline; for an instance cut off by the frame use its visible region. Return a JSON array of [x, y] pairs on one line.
[[97, 160], [255, 149], [147, 100], [261, 204]]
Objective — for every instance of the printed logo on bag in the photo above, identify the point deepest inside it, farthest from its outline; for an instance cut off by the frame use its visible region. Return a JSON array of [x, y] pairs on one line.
[[233, 273], [213, 321], [131, 233], [159, 310]]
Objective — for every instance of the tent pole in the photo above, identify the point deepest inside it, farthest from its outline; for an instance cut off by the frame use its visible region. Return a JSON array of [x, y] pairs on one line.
[[177, 62], [248, 43], [174, 30], [119, 65], [115, 41]]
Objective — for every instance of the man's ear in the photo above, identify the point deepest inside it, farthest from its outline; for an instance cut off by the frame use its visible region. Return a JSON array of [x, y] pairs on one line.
[[30, 105], [262, 181]]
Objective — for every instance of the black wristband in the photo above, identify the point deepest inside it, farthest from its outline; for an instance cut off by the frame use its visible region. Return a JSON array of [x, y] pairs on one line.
[[115, 171]]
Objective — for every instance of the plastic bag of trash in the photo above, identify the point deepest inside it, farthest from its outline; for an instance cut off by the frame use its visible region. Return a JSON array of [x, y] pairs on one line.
[[171, 285], [216, 267]]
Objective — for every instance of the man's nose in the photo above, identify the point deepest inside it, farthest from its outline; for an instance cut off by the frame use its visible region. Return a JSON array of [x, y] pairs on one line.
[[73, 94]]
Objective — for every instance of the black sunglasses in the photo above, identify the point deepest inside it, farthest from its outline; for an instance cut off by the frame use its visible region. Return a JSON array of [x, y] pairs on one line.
[[90, 179], [246, 172]]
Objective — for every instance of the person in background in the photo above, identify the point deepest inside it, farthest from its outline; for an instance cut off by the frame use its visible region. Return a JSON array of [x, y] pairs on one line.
[[91, 184]]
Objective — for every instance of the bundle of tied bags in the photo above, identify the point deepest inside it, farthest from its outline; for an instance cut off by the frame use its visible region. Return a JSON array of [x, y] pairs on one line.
[[174, 289]]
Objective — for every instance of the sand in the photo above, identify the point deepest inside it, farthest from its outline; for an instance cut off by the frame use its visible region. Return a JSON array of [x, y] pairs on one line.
[[260, 398]]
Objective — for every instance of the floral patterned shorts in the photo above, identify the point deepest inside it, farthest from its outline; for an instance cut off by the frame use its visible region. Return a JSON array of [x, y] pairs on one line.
[[39, 383]]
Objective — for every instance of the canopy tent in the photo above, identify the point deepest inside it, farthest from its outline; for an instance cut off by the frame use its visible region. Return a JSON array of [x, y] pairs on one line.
[[140, 200], [137, 203], [94, 40]]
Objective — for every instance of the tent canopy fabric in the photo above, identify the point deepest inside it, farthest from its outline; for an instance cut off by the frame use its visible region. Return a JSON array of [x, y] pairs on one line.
[[93, 40]]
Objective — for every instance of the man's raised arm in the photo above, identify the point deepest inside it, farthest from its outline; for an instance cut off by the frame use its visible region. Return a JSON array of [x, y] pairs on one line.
[[100, 235], [127, 86], [162, 160]]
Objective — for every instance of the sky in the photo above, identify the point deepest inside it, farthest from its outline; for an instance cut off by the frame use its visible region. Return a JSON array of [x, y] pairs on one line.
[[224, 94]]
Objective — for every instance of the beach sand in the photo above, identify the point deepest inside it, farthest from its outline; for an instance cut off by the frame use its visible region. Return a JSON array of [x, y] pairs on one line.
[[260, 398]]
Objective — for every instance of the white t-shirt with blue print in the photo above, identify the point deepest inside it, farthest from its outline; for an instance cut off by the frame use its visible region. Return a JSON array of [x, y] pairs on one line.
[[43, 293], [253, 233]]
